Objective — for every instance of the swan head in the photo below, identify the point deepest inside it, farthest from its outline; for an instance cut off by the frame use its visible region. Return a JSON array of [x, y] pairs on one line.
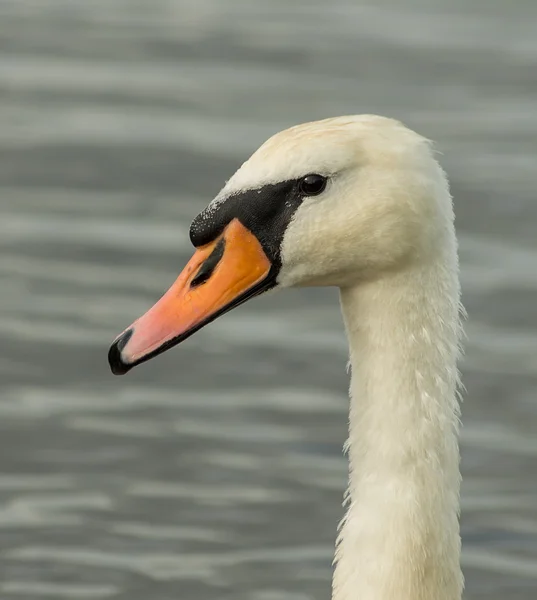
[[329, 203]]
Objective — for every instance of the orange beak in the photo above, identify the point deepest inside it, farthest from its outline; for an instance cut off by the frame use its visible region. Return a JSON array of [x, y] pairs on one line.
[[218, 277]]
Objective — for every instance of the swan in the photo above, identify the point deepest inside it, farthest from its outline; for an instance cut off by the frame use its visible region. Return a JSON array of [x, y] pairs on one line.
[[360, 203]]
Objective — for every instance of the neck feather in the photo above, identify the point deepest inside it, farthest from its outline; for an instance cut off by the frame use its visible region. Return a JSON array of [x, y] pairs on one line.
[[400, 537]]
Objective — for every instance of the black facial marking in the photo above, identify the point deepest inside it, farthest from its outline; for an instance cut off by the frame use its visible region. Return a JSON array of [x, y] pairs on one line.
[[209, 265], [265, 211]]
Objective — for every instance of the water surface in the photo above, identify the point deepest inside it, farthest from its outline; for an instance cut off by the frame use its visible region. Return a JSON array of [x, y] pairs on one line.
[[216, 470]]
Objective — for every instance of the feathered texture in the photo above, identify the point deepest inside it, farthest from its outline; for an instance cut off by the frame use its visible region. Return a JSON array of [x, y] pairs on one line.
[[383, 232]]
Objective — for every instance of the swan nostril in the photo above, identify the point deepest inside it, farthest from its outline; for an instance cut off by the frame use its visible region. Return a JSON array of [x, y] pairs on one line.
[[209, 265]]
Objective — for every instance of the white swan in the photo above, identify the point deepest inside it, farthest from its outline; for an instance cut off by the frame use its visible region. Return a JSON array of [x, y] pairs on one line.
[[360, 203]]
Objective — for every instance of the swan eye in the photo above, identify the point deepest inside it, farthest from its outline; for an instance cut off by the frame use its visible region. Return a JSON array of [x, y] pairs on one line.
[[312, 185]]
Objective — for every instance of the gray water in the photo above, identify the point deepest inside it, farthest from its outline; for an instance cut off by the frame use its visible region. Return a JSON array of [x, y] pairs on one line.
[[215, 471]]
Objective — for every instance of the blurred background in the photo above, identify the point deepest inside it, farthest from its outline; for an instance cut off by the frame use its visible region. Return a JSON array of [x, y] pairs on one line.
[[216, 471]]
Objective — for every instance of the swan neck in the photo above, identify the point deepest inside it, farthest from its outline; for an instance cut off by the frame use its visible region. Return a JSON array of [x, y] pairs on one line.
[[400, 535]]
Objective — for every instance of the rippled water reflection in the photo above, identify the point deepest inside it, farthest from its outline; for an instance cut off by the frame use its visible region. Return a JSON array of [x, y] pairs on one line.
[[216, 470]]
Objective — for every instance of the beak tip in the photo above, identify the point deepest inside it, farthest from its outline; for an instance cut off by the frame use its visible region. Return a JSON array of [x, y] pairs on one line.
[[117, 365]]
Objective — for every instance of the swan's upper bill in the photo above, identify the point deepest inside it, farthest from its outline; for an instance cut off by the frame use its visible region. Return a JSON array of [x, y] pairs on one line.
[[332, 202]]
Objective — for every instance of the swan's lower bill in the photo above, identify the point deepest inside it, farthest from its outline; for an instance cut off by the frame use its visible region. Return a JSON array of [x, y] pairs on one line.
[[218, 277]]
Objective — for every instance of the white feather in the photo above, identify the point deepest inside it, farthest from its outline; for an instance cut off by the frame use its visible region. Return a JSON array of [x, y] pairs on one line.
[[383, 232]]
